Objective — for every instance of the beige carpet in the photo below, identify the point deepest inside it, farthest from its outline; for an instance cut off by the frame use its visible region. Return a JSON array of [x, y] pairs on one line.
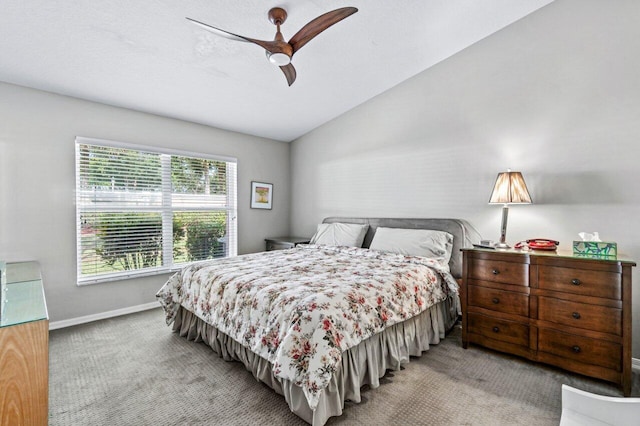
[[133, 370]]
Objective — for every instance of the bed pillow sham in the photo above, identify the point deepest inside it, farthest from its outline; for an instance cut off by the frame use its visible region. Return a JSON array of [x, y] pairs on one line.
[[340, 234], [415, 242]]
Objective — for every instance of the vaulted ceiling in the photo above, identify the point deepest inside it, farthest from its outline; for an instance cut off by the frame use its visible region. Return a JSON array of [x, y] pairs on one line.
[[144, 55]]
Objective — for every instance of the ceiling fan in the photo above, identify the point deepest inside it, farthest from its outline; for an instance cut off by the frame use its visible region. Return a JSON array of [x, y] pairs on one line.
[[280, 52]]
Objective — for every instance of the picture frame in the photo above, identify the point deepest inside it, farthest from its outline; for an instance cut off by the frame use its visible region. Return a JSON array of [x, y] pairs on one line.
[[261, 195]]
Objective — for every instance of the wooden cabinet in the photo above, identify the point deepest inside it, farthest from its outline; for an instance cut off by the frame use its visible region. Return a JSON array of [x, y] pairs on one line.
[[283, 243], [567, 311], [24, 348]]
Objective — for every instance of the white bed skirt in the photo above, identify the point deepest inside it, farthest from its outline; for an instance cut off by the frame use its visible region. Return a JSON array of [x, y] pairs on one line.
[[361, 365]]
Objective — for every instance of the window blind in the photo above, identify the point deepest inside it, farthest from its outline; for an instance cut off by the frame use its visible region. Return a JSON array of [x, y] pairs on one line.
[[142, 211]]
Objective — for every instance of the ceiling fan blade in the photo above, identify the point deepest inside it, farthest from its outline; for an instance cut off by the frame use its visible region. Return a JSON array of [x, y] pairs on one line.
[[271, 46], [318, 25], [289, 72], [218, 31]]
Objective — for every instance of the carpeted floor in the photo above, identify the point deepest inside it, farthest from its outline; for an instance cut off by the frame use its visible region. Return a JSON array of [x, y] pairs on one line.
[[132, 370]]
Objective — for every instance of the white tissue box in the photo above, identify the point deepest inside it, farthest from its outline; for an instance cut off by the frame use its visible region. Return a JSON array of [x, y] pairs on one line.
[[595, 248]]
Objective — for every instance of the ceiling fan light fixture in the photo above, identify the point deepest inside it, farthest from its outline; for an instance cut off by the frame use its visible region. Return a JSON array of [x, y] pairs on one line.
[[279, 59]]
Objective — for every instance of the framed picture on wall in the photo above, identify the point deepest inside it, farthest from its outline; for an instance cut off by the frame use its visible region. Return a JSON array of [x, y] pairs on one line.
[[261, 195]]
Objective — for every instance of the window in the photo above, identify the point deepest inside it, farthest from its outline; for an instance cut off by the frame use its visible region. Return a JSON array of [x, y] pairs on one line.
[[143, 211]]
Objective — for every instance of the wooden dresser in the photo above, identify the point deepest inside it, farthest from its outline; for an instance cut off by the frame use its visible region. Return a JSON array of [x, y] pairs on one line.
[[24, 348], [571, 312]]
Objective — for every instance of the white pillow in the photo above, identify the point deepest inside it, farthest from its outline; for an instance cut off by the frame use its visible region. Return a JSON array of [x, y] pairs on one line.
[[414, 242], [340, 234]]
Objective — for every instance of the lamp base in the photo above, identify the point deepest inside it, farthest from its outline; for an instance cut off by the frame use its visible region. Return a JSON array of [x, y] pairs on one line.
[[503, 229]]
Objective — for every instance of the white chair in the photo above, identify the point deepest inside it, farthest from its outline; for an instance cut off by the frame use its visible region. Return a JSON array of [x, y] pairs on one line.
[[580, 408]]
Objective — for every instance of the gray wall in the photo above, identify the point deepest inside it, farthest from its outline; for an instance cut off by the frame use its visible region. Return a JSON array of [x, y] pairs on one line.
[[555, 95], [37, 180]]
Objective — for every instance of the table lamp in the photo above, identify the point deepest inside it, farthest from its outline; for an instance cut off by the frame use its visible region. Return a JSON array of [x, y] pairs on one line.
[[509, 189]]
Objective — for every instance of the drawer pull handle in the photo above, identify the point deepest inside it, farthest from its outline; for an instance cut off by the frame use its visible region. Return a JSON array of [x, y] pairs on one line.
[[576, 315], [575, 281], [496, 329], [576, 349], [495, 271], [495, 300]]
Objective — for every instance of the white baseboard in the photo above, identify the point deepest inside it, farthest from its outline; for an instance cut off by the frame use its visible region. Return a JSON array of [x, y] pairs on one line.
[[104, 315]]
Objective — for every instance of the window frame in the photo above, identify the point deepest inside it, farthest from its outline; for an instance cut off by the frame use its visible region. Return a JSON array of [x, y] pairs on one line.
[[166, 210]]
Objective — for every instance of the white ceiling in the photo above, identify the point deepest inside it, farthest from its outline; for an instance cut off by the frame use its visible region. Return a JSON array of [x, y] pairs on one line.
[[144, 55]]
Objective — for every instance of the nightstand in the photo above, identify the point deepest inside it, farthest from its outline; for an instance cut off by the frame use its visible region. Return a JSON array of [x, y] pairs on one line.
[[556, 308], [283, 243]]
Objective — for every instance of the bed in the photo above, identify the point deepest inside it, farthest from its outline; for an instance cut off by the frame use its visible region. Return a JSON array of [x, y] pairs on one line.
[[319, 321]]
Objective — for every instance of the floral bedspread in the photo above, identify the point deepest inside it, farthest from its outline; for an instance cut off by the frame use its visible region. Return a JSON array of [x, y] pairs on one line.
[[301, 308]]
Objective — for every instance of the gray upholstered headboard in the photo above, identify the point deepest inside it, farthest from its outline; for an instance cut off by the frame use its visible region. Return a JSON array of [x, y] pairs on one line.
[[464, 235]]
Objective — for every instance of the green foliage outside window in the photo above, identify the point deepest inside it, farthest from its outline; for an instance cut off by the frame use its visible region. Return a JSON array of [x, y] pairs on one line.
[[204, 234], [198, 176], [127, 241], [130, 241]]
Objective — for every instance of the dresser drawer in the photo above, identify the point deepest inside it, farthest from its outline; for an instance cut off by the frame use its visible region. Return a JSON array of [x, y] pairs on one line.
[[580, 315], [580, 281], [580, 349], [499, 271], [497, 329], [508, 302]]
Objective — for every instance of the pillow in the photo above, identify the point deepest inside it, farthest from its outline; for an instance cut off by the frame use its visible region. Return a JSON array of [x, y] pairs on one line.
[[340, 234], [414, 242]]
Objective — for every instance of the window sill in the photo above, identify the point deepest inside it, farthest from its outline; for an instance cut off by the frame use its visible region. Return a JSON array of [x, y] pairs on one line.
[[126, 276]]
